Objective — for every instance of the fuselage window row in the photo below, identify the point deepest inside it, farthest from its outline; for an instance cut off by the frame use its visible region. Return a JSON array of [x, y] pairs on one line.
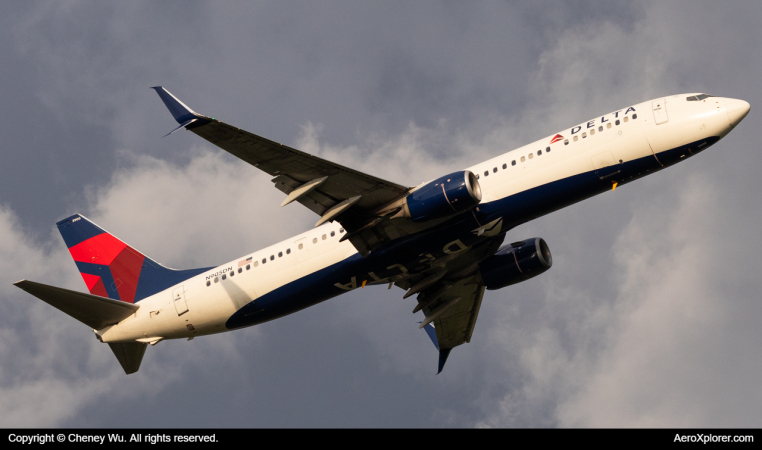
[[539, 152], [272, 258]]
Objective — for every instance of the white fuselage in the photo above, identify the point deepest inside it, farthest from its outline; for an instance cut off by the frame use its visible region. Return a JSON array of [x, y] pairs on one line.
[[203, 304]]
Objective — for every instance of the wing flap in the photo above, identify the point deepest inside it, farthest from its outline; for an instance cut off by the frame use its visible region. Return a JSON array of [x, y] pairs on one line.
[[456, 325]]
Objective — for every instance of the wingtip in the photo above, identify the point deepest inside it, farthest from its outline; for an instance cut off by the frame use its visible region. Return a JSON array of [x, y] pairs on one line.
[[179, 110], [443, 354]]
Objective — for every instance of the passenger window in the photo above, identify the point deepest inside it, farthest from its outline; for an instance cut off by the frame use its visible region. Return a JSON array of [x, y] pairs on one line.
[[248, 266], [486, 173], [233, 273], [477, 176], [323, 237], [272, 257], [616, 123], [301, 246], [539, 152], [341, 230], [333, 233], [288, 251], [264, 260], [523, 158], [600, 128], [626, 118], [547, 149], [592, 132], [224, 276], [208, 283], [531, 155], [584, 135], [280, 254], [576, 138], [513, 163], [240, 270], [505, 166], [494, 170], [314, 240], [634, 116], [566, 142], [256, 263], [216, 279], [608, 125]]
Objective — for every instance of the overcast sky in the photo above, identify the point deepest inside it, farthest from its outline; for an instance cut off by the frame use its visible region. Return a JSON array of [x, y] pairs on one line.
[[649, 317]]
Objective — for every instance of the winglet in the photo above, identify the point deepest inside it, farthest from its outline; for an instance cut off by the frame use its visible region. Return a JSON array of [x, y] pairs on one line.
[[432, 334], [443, 354], [182, 114]]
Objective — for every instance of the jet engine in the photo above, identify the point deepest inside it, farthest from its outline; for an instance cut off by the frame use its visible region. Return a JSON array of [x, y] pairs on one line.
[[515, 263], [446, 196]]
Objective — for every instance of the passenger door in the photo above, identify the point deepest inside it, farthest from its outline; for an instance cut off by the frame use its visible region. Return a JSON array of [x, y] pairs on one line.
[[660, 111]]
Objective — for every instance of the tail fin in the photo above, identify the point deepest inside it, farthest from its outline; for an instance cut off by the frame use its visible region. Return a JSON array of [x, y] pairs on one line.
[[112, 268]]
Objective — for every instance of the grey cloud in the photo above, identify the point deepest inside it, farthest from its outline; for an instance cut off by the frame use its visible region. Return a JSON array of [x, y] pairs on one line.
[[405, 93]]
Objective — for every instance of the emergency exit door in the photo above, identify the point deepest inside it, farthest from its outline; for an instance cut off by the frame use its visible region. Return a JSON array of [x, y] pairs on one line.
[[178, 294]]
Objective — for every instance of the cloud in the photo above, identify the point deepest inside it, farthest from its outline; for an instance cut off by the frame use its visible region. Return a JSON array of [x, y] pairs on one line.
[[647, 318], [672, 346]]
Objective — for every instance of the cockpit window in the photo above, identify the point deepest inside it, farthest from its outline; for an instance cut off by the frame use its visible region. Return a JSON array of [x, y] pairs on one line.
[[696, 98]]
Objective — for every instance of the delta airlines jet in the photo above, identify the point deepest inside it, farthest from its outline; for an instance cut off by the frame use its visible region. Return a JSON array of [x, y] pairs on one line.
[[440, 241]]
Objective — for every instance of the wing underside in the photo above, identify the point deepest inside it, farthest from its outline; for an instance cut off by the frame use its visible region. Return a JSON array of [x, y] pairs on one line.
[[456, 324], [450, 297]]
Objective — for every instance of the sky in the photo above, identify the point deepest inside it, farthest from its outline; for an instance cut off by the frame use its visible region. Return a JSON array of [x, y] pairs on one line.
[[648, 318]]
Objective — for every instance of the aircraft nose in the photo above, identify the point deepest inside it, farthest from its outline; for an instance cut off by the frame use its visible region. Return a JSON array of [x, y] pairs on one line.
[[737, 110]]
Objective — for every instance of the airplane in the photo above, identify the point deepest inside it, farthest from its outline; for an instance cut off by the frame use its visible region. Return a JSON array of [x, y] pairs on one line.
[[440, 241]]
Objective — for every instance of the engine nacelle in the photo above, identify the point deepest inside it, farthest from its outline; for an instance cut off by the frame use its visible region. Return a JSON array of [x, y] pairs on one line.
[[446, 196], [516, 263]]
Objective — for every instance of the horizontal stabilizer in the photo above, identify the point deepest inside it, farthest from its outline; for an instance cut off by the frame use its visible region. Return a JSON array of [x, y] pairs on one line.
[[94, 311], [129, 354], [179, 111]]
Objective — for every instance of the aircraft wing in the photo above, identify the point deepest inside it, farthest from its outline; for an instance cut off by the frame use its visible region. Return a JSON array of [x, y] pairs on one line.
[[332, 191], [453, 316], [456, 325], [450, 297]]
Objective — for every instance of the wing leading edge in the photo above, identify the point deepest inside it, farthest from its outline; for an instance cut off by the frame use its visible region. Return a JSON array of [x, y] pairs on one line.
[[330, 190]]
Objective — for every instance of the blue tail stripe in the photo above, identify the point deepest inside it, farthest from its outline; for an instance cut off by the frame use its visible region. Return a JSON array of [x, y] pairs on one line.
[[75, 232], [102, 271], [155, 278]]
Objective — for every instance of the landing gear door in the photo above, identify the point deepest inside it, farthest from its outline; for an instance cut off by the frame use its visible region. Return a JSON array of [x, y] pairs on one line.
[[178, 296], [660, 111]]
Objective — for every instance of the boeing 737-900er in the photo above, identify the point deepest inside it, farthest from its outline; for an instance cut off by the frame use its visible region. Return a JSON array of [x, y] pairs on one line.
[[440, 241]]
